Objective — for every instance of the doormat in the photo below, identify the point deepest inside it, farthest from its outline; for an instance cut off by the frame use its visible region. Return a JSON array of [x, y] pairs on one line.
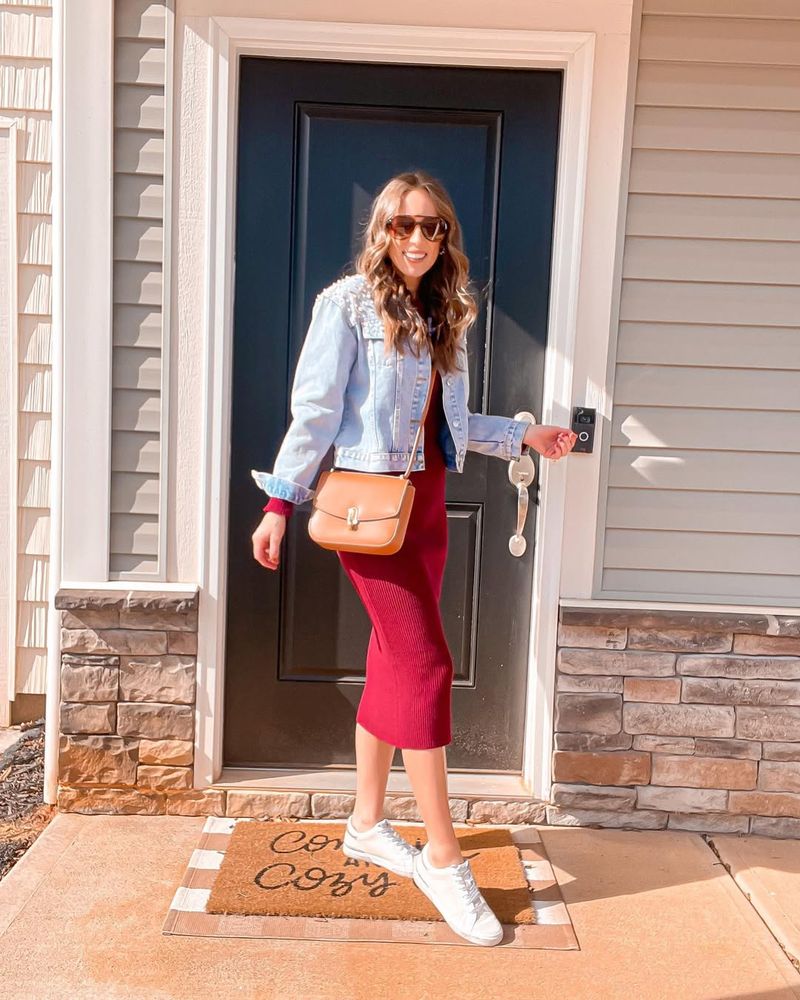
[[544, 923], [298, 870]]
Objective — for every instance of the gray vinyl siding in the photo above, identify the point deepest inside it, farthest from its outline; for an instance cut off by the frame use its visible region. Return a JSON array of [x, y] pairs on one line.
[[25, 434], [702, 471], [138, 290]]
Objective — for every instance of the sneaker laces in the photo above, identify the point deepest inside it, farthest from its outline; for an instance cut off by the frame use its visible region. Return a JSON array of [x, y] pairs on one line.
[[387, 831], [467, 886]]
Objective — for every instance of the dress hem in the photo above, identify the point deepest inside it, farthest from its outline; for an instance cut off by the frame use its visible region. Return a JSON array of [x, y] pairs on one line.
[[399, 746]]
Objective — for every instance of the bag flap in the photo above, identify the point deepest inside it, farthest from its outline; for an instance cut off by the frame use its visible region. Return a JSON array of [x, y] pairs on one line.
[[377, 496]]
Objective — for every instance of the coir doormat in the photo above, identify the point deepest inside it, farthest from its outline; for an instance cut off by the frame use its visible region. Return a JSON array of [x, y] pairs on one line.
[[298, 870], [251, 878]]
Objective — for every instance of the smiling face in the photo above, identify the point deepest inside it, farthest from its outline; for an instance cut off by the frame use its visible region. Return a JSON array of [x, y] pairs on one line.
[[415, 254]]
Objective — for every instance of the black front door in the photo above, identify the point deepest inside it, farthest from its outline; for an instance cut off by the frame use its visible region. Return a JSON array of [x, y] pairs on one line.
[[316, 141]]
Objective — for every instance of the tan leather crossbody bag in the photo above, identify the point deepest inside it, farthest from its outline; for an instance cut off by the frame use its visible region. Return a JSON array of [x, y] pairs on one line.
[[364, 511]]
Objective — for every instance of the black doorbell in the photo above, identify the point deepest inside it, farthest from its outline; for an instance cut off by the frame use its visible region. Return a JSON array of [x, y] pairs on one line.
[[583, 423]]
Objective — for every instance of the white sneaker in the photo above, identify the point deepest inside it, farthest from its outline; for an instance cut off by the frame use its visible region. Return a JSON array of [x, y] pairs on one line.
[[455, 894], [382, 845]]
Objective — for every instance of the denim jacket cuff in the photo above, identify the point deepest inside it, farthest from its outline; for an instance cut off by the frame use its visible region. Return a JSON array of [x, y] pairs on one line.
[[516, 432], [285, 489]]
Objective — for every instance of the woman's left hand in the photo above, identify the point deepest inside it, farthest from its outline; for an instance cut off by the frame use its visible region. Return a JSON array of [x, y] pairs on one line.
[[550, 441]]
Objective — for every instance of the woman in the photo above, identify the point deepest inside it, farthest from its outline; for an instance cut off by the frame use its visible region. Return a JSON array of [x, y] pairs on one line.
[[375, 340]]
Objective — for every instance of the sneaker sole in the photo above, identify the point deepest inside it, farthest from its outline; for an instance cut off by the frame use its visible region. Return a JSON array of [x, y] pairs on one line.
[[420, 883], [353, 852]]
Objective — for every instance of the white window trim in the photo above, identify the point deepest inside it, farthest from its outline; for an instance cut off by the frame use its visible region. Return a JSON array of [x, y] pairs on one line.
[[207, 82]]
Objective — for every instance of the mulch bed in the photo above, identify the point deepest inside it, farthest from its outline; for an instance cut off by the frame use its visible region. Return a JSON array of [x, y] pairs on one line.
[[23, 812]]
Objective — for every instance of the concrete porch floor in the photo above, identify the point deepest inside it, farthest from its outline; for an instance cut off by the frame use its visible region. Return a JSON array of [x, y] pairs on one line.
[[656, 914]]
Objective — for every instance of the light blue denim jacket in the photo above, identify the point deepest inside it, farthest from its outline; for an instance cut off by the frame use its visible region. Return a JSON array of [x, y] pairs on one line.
[[368, 404]]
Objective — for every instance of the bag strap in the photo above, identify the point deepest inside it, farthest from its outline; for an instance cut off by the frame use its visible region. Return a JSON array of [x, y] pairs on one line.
[[421, 425]]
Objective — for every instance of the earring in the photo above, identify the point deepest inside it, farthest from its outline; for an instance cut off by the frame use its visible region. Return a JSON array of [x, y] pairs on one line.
[[441, 251]]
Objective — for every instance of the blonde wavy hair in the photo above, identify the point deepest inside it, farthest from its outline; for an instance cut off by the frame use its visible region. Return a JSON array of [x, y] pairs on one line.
[[445, 288]]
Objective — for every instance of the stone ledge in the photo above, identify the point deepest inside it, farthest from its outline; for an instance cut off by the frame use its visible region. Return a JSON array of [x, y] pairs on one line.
[[335, 805], [212, 802], [268, 805], [755, 624], [638, 819], [502, 811], [124, 599], [708, 823], [113, 801], [196, 802], [121, 801]]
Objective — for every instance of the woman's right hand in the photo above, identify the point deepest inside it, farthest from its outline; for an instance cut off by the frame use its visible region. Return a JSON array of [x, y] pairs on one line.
[[267, 539]]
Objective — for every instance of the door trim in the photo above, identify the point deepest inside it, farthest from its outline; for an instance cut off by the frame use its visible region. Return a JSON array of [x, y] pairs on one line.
[[207, 78]]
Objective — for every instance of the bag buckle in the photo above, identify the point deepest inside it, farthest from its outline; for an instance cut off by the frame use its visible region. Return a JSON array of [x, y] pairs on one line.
[[352, 518]]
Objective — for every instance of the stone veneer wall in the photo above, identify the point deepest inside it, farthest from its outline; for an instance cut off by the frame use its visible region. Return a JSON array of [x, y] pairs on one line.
[[679, 720], [685, 720], [128, 664], [128, 690]]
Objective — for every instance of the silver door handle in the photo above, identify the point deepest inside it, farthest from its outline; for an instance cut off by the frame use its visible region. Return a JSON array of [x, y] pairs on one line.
[[521, 473]]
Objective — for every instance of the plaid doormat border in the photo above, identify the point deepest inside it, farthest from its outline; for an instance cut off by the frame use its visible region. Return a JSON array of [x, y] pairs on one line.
[[187, 916]]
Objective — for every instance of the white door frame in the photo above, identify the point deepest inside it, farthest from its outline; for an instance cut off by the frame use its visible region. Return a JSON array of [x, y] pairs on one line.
[[204, 159]]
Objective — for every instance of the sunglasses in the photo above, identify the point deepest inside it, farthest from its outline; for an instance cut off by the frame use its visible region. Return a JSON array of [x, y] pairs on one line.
[[402, 226]]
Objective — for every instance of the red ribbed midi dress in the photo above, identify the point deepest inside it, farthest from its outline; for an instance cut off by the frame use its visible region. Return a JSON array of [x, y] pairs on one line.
[[406, 700]]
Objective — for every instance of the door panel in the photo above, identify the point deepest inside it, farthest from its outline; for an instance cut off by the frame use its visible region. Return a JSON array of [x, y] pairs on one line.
[[316, 140]]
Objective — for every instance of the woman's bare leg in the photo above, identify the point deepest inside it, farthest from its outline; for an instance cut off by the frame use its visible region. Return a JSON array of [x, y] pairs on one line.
[[373, 761], [427, 772]]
